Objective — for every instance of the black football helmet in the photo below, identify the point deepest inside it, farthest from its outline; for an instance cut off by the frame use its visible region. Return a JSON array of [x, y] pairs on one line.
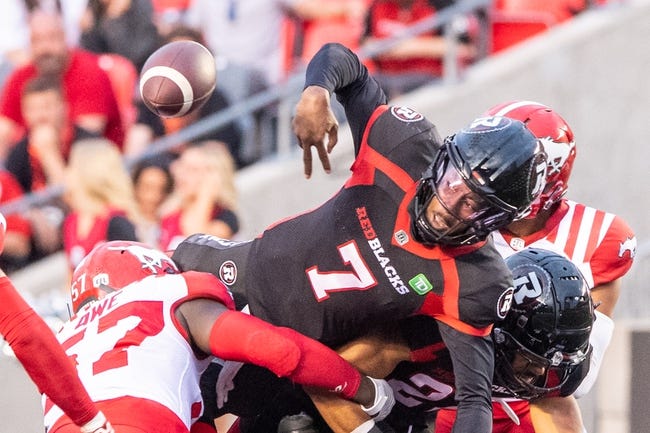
[[499, 160], [545, 336]]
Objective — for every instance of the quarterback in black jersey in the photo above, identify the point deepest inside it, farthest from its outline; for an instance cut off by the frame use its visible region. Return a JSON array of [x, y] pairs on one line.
[[542, 350], [406, 234]]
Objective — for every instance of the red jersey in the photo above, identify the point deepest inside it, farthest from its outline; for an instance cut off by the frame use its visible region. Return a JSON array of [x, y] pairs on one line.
[[131, 351], [86, 87]]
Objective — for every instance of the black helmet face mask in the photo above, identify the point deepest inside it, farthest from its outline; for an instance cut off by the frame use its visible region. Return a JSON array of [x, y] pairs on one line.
[[526, 375], [482, 178], [449, 210], [544, 338]]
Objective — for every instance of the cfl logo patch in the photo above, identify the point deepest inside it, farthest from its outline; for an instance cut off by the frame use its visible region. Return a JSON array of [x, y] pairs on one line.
[[100, 279]]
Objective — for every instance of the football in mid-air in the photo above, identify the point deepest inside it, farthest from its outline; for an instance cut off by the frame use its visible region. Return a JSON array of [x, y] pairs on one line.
[[178, 78]]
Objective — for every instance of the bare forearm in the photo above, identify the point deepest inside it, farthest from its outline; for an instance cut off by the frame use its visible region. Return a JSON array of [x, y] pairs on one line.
[[556, 415]]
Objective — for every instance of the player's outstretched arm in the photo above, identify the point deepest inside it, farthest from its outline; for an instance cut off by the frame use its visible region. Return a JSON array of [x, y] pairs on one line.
[[473, 362], [42, 356], [556, 415], [236, 336], [376, 355]]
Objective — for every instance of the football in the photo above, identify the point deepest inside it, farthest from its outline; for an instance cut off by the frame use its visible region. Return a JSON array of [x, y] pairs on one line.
[[178, 78]]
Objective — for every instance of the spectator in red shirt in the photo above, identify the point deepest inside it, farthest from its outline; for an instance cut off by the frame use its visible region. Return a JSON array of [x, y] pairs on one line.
[[87, 89], [39, 158]]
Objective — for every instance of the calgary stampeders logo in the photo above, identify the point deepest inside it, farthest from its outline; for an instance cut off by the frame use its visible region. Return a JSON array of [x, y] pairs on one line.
[[406, 114]]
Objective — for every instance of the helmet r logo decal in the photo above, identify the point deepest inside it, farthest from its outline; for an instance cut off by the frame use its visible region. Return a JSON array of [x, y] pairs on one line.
[[528, 286], [406, 114], [228, 272], [505, 302]]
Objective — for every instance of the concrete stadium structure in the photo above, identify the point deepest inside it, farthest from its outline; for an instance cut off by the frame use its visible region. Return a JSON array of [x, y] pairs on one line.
[[595, 71]]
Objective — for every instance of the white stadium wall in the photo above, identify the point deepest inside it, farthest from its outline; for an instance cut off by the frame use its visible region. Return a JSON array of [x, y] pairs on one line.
[[595, 71]]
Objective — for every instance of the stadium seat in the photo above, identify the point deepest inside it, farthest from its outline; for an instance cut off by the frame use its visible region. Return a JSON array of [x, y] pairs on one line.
[[510, 28]]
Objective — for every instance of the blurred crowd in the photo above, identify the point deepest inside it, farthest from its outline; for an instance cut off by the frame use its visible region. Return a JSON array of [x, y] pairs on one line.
[[70, 112]]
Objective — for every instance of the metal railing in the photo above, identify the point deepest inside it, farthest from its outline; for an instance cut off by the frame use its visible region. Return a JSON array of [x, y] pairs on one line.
[[286, 93]]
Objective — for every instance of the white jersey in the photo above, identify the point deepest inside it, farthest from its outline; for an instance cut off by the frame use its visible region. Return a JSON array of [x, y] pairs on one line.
[[130, 344], [599, 243]]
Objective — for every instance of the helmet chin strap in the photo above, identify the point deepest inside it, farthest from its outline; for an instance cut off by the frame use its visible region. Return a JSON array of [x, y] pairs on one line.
[[508, 410]]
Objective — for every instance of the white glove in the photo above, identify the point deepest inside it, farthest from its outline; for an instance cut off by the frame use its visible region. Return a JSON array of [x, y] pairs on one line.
[[384, 400], [225, 381], [99, 424]]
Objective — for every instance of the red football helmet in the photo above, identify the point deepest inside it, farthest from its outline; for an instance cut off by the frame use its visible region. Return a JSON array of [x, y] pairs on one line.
[[556, 136], [113, 265]]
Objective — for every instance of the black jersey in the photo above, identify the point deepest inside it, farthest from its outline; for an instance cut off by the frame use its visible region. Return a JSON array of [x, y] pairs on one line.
[[337, 271], [351, 263]]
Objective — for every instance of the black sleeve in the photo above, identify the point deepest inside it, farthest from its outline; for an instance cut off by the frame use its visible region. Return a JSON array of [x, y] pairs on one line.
[[337, 69], [473, 361], [120, 229]]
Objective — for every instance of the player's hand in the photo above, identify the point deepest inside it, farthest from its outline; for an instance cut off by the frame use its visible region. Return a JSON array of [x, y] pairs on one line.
[[226, 381], [312, 122], [3, 230], [99, 424], [384, 400]]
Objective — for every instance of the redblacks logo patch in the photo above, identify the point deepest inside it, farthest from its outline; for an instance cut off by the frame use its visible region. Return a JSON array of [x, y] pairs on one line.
[[228, 272], [406, 114], [505, 302]]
